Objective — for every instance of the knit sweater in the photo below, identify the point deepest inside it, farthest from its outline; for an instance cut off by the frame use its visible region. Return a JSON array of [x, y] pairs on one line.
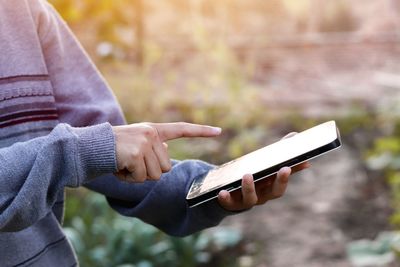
[[56, 113]]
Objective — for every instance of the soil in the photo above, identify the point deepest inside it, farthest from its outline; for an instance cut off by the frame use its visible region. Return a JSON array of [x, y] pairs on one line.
[[338, 199], [324, 208]]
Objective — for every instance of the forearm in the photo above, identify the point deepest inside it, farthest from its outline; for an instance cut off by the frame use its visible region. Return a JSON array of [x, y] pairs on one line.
[[33, 173]]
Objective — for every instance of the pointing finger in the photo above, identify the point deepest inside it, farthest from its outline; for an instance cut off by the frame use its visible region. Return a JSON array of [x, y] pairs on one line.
[[168, 131]]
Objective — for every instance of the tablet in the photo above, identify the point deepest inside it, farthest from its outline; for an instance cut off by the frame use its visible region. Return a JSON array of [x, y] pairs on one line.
[[265, 162]]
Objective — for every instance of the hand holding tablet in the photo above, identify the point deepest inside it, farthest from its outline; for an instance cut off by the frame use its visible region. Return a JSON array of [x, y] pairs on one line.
[[265, 162]]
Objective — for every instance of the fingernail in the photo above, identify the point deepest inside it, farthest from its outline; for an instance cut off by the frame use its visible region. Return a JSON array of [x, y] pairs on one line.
[[285, 170], [248, 179], [216, 130], [223, 194]]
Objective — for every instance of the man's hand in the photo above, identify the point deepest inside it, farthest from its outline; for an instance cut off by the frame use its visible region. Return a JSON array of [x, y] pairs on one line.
[[252, 194], [141, 149]]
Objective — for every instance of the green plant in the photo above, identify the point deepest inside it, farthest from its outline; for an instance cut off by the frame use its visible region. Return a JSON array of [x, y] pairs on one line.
[[378, 252], [385, 156], [103, 238]]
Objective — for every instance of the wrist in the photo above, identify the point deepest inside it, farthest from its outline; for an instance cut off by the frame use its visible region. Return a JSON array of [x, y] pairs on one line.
[[96, 151]]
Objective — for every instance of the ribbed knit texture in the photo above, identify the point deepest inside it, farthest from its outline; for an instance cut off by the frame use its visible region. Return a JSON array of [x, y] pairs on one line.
[[96, 146]]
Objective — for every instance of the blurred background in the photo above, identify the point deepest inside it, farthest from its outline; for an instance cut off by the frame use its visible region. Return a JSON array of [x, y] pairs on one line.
[[258, 69]]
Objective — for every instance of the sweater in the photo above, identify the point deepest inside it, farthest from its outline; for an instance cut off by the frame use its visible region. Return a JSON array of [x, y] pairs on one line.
[[56, 113]]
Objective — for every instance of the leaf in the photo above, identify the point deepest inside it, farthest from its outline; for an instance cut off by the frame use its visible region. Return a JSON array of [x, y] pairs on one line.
[[226, 237], [371, 253]]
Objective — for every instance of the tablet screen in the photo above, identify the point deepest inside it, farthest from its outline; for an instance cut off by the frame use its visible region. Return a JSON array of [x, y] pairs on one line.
[[268, 157]]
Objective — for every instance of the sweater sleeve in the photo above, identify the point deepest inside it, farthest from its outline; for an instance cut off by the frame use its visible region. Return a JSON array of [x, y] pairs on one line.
[[33, 173], [162, 203], [82, 95], [83, 98]]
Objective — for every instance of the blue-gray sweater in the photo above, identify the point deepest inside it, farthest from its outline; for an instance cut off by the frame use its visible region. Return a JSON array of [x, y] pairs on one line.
[[56, 113]]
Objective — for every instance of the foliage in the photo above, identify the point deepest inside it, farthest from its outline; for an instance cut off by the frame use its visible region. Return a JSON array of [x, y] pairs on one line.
[[385, 156], [379, 252], [103, 238]]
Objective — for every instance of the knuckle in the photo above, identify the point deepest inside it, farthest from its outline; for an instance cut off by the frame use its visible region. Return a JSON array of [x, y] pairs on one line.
[[130, 168], [167, 168], [144, 143], [149, 131], [158, 177], [135, 155], [138, 174], [183, 127], [155, 176]]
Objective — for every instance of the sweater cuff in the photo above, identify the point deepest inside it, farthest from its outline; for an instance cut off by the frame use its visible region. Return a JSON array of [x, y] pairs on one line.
[[96, 151], [212, 212]]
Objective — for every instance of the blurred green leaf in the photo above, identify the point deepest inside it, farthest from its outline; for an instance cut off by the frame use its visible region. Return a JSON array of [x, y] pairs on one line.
[[379, 252], [103, 238]]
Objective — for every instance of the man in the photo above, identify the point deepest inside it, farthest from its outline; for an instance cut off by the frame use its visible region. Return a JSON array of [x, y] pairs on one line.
[[56, 131]]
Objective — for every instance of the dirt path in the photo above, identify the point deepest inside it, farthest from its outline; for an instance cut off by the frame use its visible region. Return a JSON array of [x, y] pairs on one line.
[[323, 209]]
